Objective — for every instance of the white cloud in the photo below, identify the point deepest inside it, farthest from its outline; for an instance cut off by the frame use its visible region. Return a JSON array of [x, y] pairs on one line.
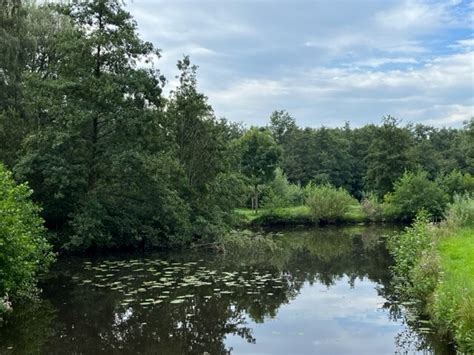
[[414, 15], [464, 44], [449, 115], [441, 84], [378, 62], [316, 61]]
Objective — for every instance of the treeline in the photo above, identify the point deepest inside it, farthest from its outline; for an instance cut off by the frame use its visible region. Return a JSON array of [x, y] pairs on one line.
[[373, 173], [113, 162], [370, 158]]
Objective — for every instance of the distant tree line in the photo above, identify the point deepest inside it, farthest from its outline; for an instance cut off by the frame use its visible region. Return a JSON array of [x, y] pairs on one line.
[[370, 158]]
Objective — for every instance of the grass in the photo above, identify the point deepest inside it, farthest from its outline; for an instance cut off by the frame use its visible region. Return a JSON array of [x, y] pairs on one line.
[[453, 301], [298, 215], [434, 271]]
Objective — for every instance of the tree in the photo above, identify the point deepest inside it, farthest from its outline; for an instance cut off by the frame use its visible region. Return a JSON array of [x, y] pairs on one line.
[[414, 192], [388, 156], [456, 183], [15, 44], [202, 144], [99, 148], [259, 158], [320, 155], [24, 250], [281, 124]]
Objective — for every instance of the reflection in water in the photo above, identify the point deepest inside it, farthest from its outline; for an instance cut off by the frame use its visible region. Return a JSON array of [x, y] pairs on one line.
[[328, 291]]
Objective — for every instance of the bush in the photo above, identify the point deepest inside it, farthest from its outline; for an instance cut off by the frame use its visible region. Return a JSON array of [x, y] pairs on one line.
[[284, 216], [414, 192], [456, 183], [328, 204], [372, 208], [460, 213], [281, 193], [408, 248], [433, 271], [24, 250]]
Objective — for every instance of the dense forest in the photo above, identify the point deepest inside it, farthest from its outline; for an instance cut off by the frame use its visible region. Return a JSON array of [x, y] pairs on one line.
[[113, 162]]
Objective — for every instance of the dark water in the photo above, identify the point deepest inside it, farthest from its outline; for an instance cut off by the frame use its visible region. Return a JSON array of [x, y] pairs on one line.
[[327, 292]]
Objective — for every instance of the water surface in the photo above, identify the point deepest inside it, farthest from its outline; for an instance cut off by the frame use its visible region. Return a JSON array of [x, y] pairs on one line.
[[327, 292]]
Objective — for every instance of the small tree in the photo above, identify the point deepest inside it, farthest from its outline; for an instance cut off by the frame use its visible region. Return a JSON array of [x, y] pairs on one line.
[[24, 250], [259, 158]]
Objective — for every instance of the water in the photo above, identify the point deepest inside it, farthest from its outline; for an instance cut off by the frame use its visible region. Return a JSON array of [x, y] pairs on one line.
[[327, 292]]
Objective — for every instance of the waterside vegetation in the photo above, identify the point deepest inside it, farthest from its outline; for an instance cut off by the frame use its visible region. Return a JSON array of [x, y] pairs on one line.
[[434, 270]]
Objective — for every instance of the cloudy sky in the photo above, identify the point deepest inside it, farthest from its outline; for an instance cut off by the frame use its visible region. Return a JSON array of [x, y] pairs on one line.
[[326, 61]]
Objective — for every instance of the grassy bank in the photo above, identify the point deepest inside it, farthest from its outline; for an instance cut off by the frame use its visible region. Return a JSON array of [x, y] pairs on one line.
[[292, 216], [434, 271], [452, 306]]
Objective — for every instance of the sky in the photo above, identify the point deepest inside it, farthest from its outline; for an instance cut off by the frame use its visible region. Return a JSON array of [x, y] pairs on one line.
[[326, 62]]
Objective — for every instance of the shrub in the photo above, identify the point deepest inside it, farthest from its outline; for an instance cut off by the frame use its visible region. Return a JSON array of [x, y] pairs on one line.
[[414, 192], [284, 216], [24, 250], [372, 208], [433, 271], [460, 213], [281, 193], [328, 204], [456, 183], [409, 247]]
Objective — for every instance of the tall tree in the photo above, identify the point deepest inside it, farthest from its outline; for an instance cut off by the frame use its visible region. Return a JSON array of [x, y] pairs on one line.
[[259, 159], [203, 150], [99, 160], [15, 44], [281, 124], [388, 156]]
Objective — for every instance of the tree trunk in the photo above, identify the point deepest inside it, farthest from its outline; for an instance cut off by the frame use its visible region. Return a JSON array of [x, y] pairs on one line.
[[255, 198]]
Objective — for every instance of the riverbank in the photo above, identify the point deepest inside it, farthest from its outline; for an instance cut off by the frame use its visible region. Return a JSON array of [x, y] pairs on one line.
[[434, 271], [295, 216], [452, 307]]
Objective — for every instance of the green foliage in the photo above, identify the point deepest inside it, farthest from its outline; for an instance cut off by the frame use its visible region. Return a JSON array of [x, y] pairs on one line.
[[284, 216], [388, 156], [112, 163], [414, 192], [373, 209], [412, 252], [281, 125], [258, 160], [433, 270], [321, 156], [24, 250], [456, 183], [259, 154], [452, 306], [281, 193], [460, 213], [328, 204]]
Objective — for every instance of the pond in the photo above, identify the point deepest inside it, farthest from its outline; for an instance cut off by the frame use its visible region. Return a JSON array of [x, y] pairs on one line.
[[326, 292]]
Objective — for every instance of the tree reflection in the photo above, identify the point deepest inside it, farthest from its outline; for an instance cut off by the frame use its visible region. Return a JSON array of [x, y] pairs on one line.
[[82, 319]]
